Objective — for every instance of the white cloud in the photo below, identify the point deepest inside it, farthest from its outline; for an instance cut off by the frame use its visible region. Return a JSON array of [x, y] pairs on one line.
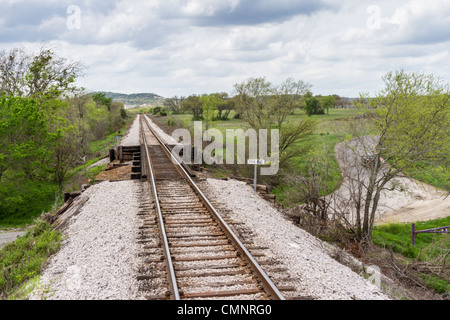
[[422, 21], [196, 46]]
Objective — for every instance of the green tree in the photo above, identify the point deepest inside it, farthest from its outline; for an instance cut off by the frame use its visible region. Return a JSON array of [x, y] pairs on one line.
[[101, 100], [27, 138], [252, 102], [286, 98], [173, 104], [265, 106], [25, 135], [43, 76], [313, 105], [194, 105], [412, 123], [225, 107], [97, 118], [327, 102], [76, 114], [210, 105]]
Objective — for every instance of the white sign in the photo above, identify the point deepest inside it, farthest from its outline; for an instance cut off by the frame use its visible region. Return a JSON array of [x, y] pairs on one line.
[[255, 161]]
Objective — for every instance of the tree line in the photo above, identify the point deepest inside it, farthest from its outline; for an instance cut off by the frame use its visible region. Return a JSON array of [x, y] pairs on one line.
[[46, 121], [218, 106]]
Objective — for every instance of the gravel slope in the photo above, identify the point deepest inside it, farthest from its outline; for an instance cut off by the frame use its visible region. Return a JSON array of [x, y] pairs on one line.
[[306, 257], [99, 256]]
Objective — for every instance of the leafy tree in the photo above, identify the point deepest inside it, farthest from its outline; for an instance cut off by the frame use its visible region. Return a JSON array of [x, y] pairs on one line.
[[286, 98], [97, 118], [27, 138], [101, 100], [77, 115], [210, 105], [173, 104], [411, 118], [225, 107], [327, 102], [25, 135], [66, 152], [313, 106], [117, 114], [252, 102], [43, 76], [194, 105], [264, 106]]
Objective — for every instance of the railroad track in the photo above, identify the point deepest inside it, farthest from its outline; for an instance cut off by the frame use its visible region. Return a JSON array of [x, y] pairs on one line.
[[190, 251]]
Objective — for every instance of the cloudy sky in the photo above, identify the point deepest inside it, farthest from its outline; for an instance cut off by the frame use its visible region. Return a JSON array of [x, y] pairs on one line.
[[183, 47]]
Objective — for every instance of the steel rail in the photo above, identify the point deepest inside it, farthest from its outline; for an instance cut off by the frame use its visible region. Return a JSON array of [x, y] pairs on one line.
[[173, 286], [266, 283]]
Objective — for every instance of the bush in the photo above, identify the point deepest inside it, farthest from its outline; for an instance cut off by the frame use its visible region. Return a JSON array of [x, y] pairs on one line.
[[156, 110], [313, 107], [123, 113], [23, 200], [23, 259]]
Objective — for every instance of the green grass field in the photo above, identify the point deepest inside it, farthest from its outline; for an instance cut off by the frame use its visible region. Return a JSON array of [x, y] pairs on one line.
[[428, 246]]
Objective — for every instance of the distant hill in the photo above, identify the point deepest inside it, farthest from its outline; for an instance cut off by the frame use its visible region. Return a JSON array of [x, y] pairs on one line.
[[135, 98]]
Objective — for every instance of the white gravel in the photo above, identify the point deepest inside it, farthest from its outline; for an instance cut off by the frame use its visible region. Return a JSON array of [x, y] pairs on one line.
[[132, 137], [306, 257], [164, 136], [99, 256]]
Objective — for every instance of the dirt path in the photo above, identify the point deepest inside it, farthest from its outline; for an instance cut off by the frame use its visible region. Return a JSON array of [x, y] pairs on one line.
[[405, 200], [434, 207]]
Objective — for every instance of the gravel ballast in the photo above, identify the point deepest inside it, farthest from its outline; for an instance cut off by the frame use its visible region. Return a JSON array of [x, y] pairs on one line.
[[99, 256], [306, 257], [132, 137]]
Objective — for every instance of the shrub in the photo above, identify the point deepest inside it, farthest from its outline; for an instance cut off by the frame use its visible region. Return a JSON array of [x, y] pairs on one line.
[[23, 259], [313, 107], [156, 110]]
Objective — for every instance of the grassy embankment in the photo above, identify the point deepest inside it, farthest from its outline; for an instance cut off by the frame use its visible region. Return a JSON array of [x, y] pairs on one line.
[[21, 260], [430, 249]]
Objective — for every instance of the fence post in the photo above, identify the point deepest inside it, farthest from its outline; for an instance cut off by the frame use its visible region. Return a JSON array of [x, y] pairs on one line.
[[413, 234]]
